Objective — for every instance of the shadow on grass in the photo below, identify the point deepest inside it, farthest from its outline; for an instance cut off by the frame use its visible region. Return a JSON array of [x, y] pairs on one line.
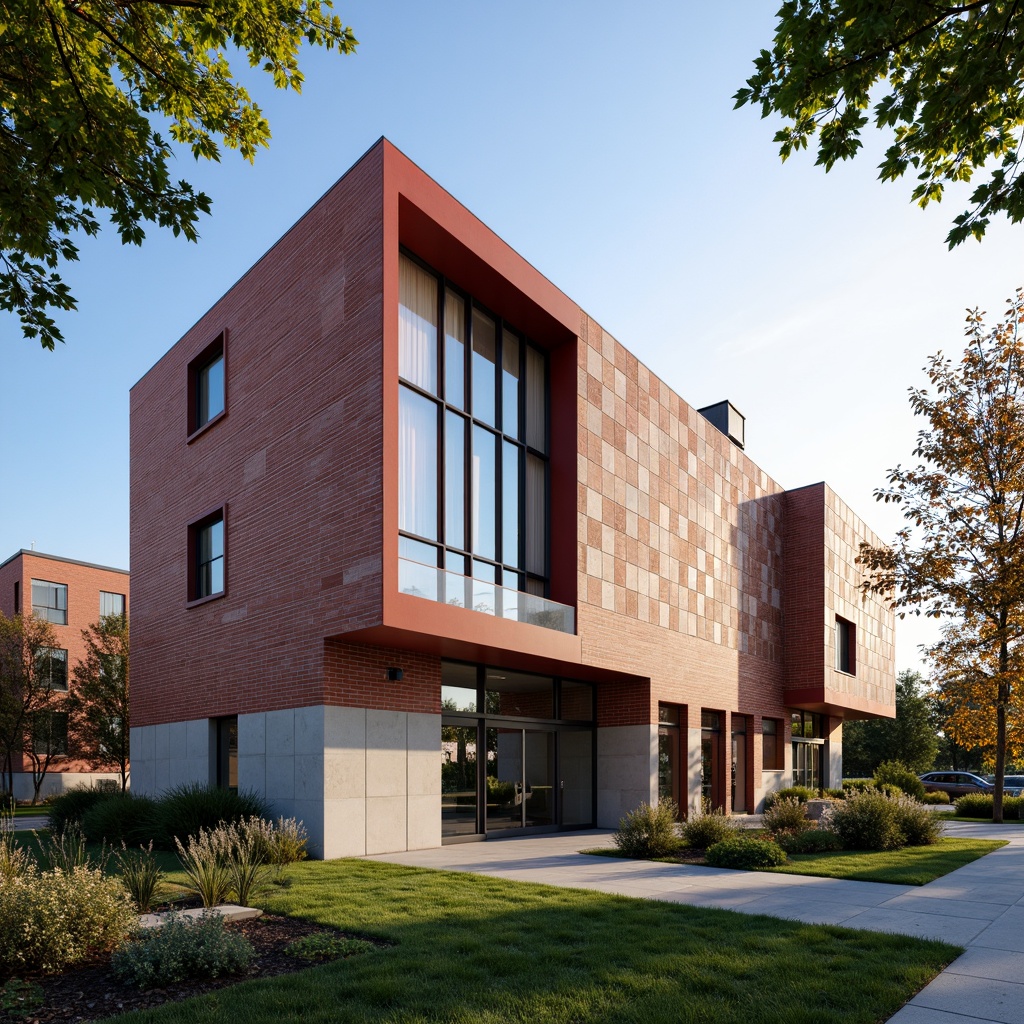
[[477, 949]]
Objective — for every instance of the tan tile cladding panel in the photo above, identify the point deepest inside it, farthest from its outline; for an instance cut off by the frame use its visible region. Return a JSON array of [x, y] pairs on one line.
[[297, 455], [679, 543]]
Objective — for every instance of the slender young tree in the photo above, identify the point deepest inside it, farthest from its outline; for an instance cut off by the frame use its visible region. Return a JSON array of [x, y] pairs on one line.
[[962, 554], [99, 701], [25, 686]]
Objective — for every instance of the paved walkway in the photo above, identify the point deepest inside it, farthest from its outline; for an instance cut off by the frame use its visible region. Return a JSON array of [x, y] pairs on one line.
[[980, 906]]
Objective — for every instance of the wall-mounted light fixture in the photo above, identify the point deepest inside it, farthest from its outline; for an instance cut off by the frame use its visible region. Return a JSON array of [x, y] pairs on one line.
[[394, 675]]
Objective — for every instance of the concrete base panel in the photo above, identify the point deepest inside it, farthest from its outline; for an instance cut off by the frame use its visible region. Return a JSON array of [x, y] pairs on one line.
[[627, 771], [56, 783]]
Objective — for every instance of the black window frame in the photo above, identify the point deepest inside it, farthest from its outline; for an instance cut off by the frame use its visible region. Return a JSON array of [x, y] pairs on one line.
[[846, 646], [45, 661], [216, 350], [195, 530], [514, 576]]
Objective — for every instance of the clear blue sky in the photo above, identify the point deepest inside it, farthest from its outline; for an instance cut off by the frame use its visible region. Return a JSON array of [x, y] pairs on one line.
[[601, 143]]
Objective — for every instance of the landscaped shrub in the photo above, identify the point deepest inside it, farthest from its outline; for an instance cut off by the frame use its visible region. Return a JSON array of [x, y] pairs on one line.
[[979, 805], [15, 860], [66, 850], [186, 809], [121, 818], [141, 875], [834, 794], [705, 828], [889, 789], [896, 773], [649, 831], [204, 859], [919, 826], [182, 948], [858, 785], [786, 815], [800, 793], [745, 853], [936, 798], [865, 821], [71, 807], [51, 919], [811, 840]]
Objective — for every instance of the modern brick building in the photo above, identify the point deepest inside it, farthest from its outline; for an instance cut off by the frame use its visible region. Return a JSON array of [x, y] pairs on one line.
[[421, 553], [71, 596]]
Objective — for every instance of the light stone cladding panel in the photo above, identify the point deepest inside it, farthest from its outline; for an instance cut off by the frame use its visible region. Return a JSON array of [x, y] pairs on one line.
[[627, 771], [362, 781], [172, 754]]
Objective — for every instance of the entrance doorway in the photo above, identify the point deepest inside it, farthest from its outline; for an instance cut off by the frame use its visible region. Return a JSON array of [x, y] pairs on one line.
[[517, 752]]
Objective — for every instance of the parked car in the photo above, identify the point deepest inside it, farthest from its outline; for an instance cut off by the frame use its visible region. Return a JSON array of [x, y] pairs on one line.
[[962, 783], [1009, 781]]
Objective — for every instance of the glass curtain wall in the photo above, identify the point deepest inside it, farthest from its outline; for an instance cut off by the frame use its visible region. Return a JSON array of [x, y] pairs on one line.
[[473, 446], [517, 751]]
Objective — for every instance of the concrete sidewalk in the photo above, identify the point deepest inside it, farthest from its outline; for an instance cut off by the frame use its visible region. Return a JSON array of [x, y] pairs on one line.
[[980, 906]]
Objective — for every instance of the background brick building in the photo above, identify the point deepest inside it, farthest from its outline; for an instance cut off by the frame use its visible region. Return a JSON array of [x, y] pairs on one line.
[[397, 500], [71, 596]]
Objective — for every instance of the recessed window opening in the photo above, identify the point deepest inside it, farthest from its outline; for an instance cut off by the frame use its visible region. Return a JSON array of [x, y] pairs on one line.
[[207, 385], [846, 656], [206, 554], [473, 445]]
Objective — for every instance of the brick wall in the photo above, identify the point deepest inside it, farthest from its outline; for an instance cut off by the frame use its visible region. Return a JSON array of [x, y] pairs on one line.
[[296, 459]]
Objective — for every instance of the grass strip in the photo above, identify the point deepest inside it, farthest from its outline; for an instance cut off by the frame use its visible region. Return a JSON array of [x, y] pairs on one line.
[[913, 865], [489, 951]]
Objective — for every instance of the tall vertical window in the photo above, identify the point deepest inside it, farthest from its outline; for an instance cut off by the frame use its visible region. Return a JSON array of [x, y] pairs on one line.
[[111, 604], [846, 659], [52, 667], [50, 601], [17, 597], [771, 745], [206, 556], [473, 442], [206, 384]]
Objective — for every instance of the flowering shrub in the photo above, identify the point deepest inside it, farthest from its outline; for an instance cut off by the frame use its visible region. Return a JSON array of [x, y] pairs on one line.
[[54, 918]]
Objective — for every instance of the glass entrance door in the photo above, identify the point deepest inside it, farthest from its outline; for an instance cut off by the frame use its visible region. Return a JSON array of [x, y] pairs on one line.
[[520, 778]]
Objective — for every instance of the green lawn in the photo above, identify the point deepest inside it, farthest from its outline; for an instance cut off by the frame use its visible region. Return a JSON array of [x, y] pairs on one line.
[[482, 951], [952, 816], [913, 865]]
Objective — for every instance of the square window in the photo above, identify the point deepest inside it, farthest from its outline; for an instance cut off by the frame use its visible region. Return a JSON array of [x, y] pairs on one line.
[[846, 660], [206, 557], [52, 667], [207, 392], [111, 604], [49, 733], [50, 601]]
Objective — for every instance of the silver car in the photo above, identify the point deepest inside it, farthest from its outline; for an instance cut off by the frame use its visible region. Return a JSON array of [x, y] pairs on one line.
[[962, 783]]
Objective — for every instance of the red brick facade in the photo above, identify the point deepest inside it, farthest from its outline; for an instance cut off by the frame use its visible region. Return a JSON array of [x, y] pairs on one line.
[[696, 579]]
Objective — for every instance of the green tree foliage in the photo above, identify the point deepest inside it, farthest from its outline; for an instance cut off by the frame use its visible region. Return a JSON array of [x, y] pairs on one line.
[[962, 556], [27, 701], [99, 703], [84, 87], [947, 79], [910, 736]]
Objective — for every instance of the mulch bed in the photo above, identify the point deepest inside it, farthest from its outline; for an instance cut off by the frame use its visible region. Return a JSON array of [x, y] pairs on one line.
[[89, 991]]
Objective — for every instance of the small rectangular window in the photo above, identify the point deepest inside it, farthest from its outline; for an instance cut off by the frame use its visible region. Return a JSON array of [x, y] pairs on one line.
[[771, 747], [50, 601], [207, 392], [111, 604], [207, 563], [17, 597], [846, 660], [52, 667]]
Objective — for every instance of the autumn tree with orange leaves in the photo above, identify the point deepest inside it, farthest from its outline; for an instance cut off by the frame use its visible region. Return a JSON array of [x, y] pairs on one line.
[[961, 556]]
